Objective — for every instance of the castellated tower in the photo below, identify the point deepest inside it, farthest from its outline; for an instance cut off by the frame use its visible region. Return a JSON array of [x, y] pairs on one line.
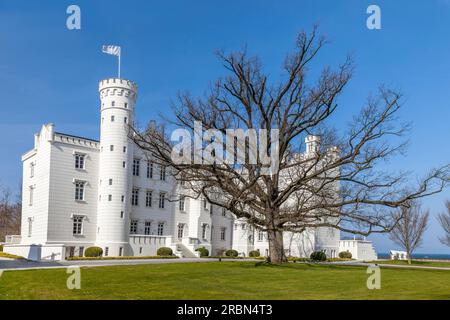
[[118, 97]]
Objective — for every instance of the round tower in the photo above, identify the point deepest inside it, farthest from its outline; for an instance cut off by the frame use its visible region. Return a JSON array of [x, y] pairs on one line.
[[118, 98]]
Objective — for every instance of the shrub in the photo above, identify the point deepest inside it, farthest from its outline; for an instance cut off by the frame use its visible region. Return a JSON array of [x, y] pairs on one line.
[[1, 248], [93, 252], [164, 251], [203, 251], [231, 253], [254, 254], [318, 256], [345, 255]]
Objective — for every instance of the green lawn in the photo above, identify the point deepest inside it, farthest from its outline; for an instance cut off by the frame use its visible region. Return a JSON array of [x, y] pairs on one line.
[[415, 263], [226, 280]]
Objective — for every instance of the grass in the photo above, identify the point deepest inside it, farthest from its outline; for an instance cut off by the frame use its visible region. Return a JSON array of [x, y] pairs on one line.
[[121, 258], [10, 256], [226, 280], [415, 263]]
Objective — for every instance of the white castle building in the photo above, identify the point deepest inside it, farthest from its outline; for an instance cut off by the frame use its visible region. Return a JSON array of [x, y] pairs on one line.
[[80, 192]]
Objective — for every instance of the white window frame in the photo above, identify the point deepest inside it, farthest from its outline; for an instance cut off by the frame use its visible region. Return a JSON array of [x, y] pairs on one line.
[[149, 170], [80, 161], [180, 230], [31, 195], [136, 167], [32, 166], [162, 200], [204, 230], [135, 197], [182, 203], [148, 198], [160, 228], [148, 227], [162, 173], [80, 190], [77, 225], [134, 226], [223, 231]]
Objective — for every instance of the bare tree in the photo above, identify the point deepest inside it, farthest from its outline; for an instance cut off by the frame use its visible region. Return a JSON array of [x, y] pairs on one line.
[[444, 220], [10, 214], [337, 184], [411, 225]]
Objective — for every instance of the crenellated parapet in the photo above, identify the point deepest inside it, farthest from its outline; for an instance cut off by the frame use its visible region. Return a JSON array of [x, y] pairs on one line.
[[118, 87]]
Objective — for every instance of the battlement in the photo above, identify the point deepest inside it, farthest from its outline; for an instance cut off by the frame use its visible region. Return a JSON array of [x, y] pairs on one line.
[[116, 86]]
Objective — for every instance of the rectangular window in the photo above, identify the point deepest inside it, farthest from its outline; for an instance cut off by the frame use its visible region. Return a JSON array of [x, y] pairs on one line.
[[205, 204], [31, 195], [260, 235], [162, 200], [149, 170], [181, 203], [121, 214], [77, 225], [224, 212], [136, 165], [32, 170], [123, 164], [112, 118], [222, 233], [148, 198], [124, 149], [135, 197], [180, 230], [110, 182], [148, 226], [79, 190], [162, 173], [126, 105], [110, 197], [120, 251], [122, 198], [160, 228], [30, 226], [111, 148], [81, 251], [133, 226], [106, 251], [125, 120], [79, 161], [204, 226]]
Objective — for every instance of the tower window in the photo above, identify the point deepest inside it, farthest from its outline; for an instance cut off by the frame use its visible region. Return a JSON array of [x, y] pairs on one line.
[[113, 103], [77, 225], [79, 161], [110, 197], [30, 226], [31, 169], [79, 190], [124, 164], [112, 118], [125, 120], [123, 198], [136, 163], [31, 195], [182, 203], [125, 105], [204, 226], [121, 214], [110, 182], [111, 147], [124, 149]]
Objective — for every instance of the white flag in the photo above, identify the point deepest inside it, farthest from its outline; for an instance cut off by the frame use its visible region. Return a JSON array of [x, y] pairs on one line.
[[114, 50]]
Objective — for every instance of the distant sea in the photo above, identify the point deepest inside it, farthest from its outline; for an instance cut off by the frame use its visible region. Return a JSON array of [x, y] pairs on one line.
[[431, 256]]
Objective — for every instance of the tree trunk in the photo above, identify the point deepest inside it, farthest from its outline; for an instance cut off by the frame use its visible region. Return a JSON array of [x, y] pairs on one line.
[[276, 248]]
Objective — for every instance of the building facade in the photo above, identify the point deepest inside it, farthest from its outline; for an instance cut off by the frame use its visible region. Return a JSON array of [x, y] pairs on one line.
[[80, 192]]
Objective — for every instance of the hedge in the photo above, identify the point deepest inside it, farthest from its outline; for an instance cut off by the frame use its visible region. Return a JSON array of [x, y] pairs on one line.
[[1, 248], [123, 258], [254, 254], [345, 255], [93, 252], [318, 256], [231, 253], [164, 251], [203, 251]]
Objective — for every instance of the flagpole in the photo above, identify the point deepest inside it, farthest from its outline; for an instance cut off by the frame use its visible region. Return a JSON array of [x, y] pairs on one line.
[[120, 53]]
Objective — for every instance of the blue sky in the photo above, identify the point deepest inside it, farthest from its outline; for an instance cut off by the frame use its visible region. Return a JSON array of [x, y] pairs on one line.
[[50, 74]]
